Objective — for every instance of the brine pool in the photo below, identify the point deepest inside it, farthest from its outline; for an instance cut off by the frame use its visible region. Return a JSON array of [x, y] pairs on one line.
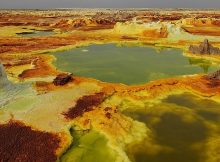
[[129, 65], [184, 127], [36, 33]]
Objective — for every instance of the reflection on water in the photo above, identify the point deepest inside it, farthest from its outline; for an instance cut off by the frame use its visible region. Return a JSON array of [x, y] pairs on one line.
[[204, 64], [184, 138], [36, 33], [206, 108], [128, 65]]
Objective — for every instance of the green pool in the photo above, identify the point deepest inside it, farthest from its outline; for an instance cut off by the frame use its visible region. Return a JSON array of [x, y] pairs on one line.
[[36, 33], [89, 147], [129, 65], [181, 125]]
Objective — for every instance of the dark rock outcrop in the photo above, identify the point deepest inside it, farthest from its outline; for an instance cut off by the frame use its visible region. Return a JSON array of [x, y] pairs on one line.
[[62, 79], [204, 48], [213, 75]]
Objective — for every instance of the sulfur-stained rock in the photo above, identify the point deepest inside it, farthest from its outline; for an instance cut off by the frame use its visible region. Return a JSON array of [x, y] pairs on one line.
[[62, 79], [204, 48], [107, 19], [213, 75]]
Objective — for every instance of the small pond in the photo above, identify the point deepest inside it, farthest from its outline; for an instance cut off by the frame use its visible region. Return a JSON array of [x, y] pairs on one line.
[[180, 129], [89, 147], [129, 65], [37, 33]]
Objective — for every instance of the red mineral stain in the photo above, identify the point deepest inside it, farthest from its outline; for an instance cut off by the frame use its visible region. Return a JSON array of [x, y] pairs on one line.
[[20, 143], [108, 115], [84, 104], [108, 109]]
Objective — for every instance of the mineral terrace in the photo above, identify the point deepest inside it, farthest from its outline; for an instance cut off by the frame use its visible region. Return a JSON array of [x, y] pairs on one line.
[[41, 106]]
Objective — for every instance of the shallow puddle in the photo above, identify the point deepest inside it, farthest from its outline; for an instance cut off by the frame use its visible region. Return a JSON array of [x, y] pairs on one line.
[[89, 147], [179, 128], [129, 65], [36, 33]]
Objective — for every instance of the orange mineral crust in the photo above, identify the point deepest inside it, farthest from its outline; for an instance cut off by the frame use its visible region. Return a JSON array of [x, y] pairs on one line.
[[213, 31], [198, 84], [16, 44], [97, 26], [41, 67], [202, 26]]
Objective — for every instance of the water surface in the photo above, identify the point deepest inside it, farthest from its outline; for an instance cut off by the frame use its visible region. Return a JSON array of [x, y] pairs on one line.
[[89, 146], [36, 33], [179, 126], [129, 65]]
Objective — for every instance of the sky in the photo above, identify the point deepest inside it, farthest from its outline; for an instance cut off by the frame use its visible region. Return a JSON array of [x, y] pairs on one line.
[[43, 4]]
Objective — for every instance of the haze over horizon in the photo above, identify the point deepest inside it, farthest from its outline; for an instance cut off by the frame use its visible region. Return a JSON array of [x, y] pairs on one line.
[[47, 4]]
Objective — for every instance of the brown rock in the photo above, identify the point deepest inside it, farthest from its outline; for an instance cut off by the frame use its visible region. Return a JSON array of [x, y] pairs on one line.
[[62, 79], [108, 115], [213, 75], [204, 48], [111, 19]]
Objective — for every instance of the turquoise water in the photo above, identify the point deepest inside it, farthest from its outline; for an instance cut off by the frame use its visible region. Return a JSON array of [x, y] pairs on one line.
[[36, 33], [128, 65]]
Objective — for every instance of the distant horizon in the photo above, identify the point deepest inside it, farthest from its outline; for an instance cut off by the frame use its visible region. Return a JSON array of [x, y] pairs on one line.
[[61, 4], [130, 8]]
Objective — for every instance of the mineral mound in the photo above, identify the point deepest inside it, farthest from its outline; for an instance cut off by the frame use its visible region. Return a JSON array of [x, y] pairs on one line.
[[214, 75], [62, 79], [204, 48]]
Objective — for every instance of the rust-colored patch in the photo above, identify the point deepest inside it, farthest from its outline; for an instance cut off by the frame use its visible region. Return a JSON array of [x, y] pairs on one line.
[[20, 143], [211, 31], [108, 115], [108, 109], [212, 82], [42, 68], [85, 104], [155, 33]]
